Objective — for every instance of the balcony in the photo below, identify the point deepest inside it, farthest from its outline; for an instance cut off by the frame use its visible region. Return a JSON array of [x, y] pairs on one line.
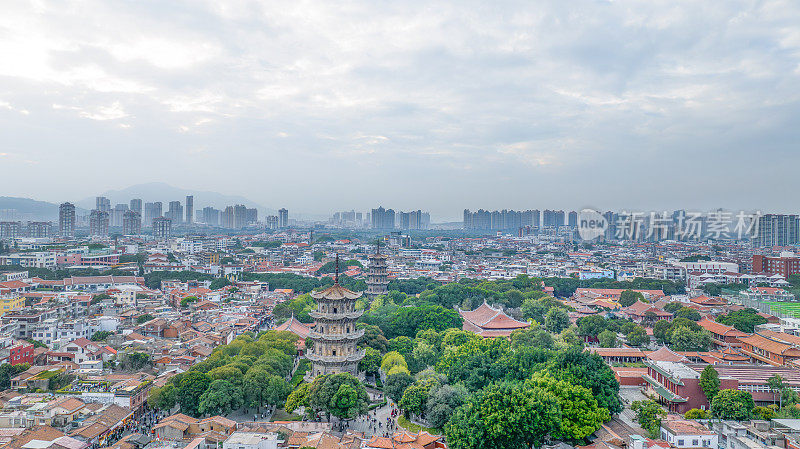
[[336, 316], [336, 358], [314, 335]]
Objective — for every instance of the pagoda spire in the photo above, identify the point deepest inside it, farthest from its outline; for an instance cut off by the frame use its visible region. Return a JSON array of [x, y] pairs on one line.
[[336, 271]]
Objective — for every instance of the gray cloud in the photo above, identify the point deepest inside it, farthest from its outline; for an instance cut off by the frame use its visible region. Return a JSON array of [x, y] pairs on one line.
[[438, 105]]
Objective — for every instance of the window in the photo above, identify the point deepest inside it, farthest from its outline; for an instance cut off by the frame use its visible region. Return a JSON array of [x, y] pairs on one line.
[[680, 442], [695, 443]]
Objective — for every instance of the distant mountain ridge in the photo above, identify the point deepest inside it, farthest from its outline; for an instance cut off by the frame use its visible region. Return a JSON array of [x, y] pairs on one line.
[[161, 191], [28, 209]]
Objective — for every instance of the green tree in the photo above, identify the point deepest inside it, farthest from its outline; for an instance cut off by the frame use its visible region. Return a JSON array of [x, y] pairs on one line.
[[457, 337], [637, 336], [403, 345], [765, 413], [443, 400], [781, 390], [349, 402], [608, 339], [688, 313], [189, 300], [299, 307], [260, 387], [570, 339], [163, 398], [192, 386], [649, 415], [476, 363], [144, 318], [532, 337], [101, 335], [133, 361], [371, 362], [225, 372], [734, 405], [415, 398], [504, 416], [373, 338], [298, 398], [513, 298], [661, 331], [580, 414], [220, 398], [682, 338], [583, 368], [410, 320], [744, 320], [396, 385], [219, 283], [591, 325], [696, 413], [326, 394], [673, 306], [629, 297], [392, 359], [556, 320], [709, 382], [96, 299], [423, 356], [330, 266]]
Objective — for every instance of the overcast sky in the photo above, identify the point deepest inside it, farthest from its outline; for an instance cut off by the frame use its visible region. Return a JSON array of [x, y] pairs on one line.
[[323, 106]]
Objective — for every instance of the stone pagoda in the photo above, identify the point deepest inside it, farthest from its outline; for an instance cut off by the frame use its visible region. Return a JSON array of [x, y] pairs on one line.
[[377, 278], [335, 335]]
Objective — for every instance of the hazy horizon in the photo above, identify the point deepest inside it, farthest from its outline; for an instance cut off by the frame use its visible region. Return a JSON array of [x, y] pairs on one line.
[[438, 106]]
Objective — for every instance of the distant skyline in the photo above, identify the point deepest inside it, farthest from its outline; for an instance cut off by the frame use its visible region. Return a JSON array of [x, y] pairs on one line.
[[440, 106]]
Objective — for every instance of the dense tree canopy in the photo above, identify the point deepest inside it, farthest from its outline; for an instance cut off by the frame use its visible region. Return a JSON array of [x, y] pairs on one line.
[[299, 307], [341, 395], [580, 414], [709, 382], [565, 287], [629, 297], [504, 416], [744, 320], [733, 404], [649, 415], [247, 372]]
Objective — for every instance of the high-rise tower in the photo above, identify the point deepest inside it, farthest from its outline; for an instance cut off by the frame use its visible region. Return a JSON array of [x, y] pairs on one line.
[[335, 335], [131, 223], [66, 220], [98, 223], [377, 278], [283, 218], [189, 209]]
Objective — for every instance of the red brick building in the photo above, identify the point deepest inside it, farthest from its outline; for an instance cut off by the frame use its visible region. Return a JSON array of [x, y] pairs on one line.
[[677, 385], [784, 266]]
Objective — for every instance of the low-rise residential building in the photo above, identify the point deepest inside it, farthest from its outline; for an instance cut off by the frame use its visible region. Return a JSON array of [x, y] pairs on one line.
[[251, 440], [685, 434]]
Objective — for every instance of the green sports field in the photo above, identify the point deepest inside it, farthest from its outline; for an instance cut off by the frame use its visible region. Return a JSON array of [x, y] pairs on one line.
[[789, 308]]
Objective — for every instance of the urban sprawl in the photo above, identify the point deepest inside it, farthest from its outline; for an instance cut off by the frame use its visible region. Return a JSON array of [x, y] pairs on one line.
[[139, 326]]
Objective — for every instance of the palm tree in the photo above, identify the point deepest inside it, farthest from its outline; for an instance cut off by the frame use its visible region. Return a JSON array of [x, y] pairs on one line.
[[777, 386]]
